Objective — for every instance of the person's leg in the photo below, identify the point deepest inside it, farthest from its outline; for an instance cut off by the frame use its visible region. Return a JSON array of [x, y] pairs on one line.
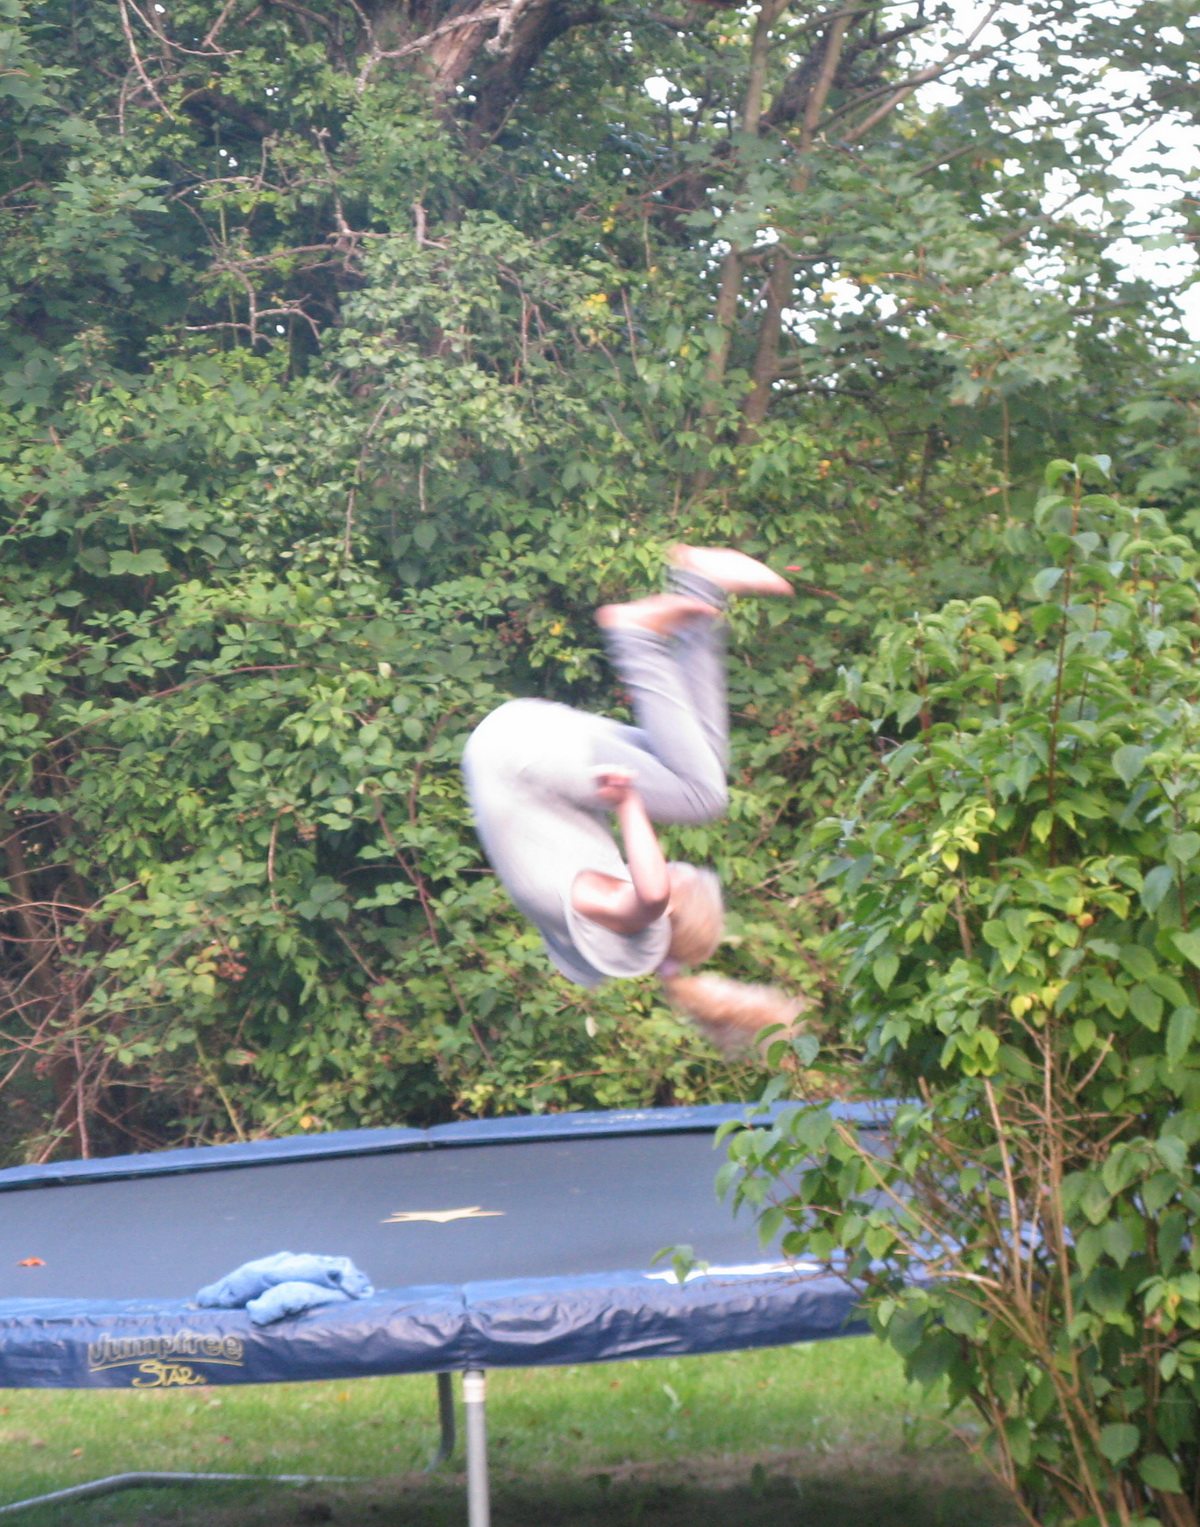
[[669, 651], [712, 573], [675, 753], [700, 648]]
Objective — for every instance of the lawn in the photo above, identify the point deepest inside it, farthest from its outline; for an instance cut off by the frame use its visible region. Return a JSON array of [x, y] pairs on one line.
[[827, 1434]]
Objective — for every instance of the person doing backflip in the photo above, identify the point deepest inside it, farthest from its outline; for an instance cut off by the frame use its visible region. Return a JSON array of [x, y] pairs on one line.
[[543, 780]]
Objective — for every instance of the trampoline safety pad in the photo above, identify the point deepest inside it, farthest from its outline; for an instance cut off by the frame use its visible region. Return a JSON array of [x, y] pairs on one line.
[[506, 1243]]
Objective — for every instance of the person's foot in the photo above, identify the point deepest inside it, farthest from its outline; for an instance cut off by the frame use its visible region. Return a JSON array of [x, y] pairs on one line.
[[660, 613], [736, 1017], [731, 570]]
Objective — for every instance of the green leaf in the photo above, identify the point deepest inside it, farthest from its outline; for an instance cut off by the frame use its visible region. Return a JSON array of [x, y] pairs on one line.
[[1104, 1291], [1159, 1191], [1138, 962], [1146, 1006], [884, 970], [1155, 885], [1181, 1030], [1119, 1170], [1100, 465], [139, 562], [1188, 945], [933, 1357], [1160, 1473], [1088, 1246], [812, 1128], [1046, 581], [1128, 761], [806, 1047], [1169, 988], [1119, 1441], [1084, 1032], [1117, 1239], [1116, 998], [1056, 471], [1172, 1152]]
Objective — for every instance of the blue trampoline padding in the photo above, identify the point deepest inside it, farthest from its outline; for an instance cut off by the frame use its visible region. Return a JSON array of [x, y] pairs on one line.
[[552, 1222], [605, 1317], [211, 1158], [467, 1132]]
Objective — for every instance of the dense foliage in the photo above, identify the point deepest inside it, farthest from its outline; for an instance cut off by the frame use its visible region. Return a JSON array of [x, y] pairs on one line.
[[353, 350], [1019, 890]]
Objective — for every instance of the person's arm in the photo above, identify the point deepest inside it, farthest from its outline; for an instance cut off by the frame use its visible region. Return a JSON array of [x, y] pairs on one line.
[[625, 906]]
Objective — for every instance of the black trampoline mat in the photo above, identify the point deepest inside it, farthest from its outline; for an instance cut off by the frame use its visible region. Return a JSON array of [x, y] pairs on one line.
[[538, 1209]]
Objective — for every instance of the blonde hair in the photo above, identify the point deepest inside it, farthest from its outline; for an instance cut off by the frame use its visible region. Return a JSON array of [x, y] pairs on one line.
[[697, 914], [730, 1014]]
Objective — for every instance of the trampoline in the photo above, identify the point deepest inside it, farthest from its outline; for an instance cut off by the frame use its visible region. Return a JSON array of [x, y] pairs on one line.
[[491, 1243]]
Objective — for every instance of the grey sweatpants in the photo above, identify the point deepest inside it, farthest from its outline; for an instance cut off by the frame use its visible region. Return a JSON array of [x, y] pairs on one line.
[[679, 749]]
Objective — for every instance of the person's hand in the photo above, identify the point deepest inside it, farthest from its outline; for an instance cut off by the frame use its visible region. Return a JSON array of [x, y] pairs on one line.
[[614, 786]]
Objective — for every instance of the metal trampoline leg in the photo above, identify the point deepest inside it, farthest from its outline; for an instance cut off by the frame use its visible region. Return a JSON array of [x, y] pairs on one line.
[[445, 1394], [479, 1510]]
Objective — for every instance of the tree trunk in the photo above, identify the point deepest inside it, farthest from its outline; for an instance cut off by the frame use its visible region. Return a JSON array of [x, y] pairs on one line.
[[729, 288], [781, 283]]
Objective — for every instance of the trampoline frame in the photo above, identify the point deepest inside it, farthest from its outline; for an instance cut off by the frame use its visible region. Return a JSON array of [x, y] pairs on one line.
[[776, 1291]]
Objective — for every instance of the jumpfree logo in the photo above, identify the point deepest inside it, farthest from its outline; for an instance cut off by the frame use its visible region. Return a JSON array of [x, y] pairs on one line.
[[165, 1362]]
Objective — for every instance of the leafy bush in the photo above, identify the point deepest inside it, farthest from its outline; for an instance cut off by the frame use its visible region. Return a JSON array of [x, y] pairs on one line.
[[340, 378], [1018, 897]]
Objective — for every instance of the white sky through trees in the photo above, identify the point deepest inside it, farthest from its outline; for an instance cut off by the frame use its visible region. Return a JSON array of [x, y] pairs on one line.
[[1155, 158], [1159, 164]]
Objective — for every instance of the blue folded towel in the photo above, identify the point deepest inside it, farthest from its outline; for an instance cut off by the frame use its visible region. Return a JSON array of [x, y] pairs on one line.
[[286, 1284], [291, 1299]]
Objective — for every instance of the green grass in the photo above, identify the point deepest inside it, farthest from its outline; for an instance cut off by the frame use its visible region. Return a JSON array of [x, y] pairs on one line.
[[827, 1434]]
